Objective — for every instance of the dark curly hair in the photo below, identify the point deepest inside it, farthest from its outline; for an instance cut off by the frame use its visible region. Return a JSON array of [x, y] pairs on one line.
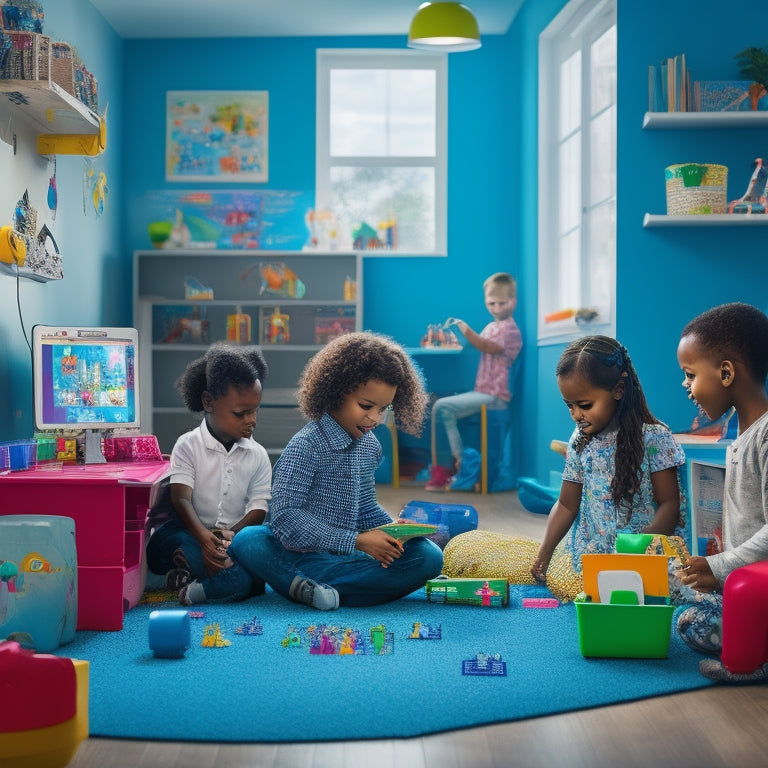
[[352, 360], [221, 367], [735, 331], [603, 362]]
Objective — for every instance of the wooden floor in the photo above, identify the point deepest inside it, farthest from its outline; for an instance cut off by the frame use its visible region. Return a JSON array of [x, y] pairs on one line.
[[717, 726]]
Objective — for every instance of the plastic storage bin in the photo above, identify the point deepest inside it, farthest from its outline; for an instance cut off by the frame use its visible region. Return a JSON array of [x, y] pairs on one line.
[[625, 626], [18, 454]]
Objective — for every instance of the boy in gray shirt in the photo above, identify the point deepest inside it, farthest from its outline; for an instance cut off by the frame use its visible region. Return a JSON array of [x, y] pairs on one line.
[[724, 356]]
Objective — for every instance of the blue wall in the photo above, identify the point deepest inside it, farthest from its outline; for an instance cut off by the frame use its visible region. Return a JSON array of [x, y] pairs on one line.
[[96, 284], [667, 276], [401, 295]]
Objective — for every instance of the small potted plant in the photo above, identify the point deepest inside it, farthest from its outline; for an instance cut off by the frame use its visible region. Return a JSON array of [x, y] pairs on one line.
[[753, 63]]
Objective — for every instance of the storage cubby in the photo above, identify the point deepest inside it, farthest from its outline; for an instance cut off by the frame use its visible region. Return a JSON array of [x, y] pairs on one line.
[[175, 329]]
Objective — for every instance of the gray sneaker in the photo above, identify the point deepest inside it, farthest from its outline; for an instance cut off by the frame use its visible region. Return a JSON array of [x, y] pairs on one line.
[[319, 596], [714, 669]]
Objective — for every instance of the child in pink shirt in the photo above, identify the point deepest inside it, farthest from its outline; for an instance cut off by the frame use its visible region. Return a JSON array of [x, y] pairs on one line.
[[499, 344]]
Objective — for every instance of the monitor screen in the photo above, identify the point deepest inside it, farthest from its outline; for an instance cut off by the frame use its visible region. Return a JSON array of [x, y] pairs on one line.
[[85, 378]]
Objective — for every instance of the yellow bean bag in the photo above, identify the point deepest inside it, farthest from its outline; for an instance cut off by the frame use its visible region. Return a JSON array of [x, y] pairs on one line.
[[489, 555]]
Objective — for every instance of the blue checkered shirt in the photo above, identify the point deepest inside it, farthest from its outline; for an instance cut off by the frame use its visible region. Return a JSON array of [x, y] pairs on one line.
[[323, 489]]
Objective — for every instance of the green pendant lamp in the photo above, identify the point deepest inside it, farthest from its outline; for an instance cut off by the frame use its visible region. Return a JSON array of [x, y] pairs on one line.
[[444, 27]]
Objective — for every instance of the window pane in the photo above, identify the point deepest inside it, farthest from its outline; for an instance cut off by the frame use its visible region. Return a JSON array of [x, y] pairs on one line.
[[567, 185], [602, 268], [382, 112], [603, 156], [603, 71], [378, 195], [568, 274], [570, 95]]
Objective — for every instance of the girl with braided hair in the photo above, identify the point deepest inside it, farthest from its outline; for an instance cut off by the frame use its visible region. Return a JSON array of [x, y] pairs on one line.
[[621, 465], [621, 476]]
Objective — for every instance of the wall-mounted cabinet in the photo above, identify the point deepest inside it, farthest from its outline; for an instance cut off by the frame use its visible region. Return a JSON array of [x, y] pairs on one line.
[[174, 329], [701, 121]]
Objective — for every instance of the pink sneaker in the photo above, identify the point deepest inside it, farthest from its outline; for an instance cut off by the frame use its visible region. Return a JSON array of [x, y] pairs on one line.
[[439, 479]]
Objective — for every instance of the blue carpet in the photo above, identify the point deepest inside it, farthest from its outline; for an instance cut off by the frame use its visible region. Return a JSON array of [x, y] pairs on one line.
[[258, 690]]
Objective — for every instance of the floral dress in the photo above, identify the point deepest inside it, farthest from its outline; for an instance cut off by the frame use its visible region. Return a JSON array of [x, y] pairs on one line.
[[598, 520]]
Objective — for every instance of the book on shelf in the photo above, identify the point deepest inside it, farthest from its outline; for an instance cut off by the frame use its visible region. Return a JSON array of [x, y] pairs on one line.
[[669, 85]]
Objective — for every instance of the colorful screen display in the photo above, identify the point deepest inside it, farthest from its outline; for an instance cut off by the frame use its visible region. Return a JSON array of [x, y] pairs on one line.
[[85, 378]]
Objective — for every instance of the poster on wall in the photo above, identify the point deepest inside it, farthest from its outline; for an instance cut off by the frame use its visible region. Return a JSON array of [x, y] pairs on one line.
[[217, 136], [266, 219]]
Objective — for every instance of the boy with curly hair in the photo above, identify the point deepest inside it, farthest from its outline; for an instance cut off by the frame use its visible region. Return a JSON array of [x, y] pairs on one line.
[[323, 546]]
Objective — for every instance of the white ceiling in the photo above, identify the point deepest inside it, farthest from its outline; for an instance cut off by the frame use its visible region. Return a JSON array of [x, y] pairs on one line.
[[282, 18]]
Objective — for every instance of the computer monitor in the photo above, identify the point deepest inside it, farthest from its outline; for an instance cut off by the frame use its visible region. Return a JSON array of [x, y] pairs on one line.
[[85, 379]]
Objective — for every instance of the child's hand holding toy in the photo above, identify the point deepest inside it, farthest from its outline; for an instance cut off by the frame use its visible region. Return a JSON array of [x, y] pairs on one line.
[[379, 545]]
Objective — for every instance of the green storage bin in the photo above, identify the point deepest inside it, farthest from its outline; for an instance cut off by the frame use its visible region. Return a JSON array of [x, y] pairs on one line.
[[629, 624], [624, 631]]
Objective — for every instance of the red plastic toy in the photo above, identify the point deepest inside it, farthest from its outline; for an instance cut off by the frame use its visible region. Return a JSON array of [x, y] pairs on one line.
[[745, 619]]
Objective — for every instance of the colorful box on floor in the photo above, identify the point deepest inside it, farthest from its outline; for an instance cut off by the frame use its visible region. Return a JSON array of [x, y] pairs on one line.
[[492, 593], [613, 619]]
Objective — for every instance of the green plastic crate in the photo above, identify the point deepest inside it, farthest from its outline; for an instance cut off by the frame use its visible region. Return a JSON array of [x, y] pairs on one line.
[[624, 631]]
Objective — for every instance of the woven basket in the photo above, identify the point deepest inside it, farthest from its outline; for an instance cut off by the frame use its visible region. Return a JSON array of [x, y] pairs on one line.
[[24, 56], [696, 188], [63, 66]]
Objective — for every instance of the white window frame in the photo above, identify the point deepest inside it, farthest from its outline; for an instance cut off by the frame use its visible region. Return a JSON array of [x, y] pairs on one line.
[[332, 58], [580, 23]]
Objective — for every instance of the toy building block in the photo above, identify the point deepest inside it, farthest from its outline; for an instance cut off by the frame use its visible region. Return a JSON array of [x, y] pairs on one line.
[[541, 602], [253, 627], [41, 731], [213, 637], [485, 665], [423, 631], [170, 633]]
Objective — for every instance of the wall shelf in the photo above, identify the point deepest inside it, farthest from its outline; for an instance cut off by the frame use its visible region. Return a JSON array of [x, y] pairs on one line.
[[46, 108], [707, 220], [697, 120]]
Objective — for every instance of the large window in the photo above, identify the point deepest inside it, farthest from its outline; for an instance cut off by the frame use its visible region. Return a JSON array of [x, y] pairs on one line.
[[381, 149], [577, 172]]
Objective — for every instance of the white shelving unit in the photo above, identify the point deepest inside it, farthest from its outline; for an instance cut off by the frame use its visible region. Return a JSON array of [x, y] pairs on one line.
[[167, 341], [698, 121]]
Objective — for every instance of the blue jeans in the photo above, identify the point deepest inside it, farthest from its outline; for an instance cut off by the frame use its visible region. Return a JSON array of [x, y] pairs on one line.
[[233, 583], [359, 579], [448, 410]]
